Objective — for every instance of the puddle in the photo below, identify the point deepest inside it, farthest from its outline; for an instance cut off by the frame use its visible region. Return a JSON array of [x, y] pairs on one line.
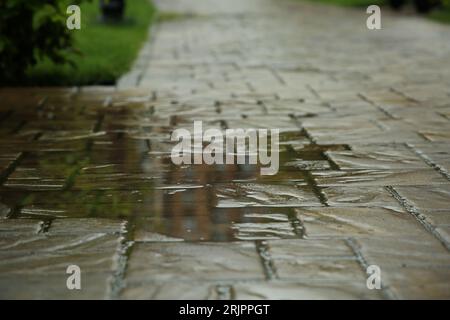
[[111, 160], [219, 224], [252, 194], [5, 211]]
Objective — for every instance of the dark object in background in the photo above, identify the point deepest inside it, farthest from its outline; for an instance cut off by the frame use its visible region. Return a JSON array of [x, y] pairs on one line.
[[397, 4], [422, 6], [112, 10]]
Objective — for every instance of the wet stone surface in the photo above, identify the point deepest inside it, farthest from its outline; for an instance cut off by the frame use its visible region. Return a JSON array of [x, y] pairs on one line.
[[335, 222], [190, 261], [197, 223], [277, 195], [33, 258], [86, 176], [360, 197], [304, 290]]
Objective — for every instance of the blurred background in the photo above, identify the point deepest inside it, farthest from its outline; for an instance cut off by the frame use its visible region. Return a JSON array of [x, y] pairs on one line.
[[36, 48]]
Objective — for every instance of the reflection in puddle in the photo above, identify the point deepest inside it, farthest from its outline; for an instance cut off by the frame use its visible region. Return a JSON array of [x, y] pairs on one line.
[[218, 224], [122, 169]]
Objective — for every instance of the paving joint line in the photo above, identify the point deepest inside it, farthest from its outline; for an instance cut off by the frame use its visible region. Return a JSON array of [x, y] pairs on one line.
[[224, 292], [430, 162], [354, 246], [266, 260], [117, 281], [410, 208], [380, 108]]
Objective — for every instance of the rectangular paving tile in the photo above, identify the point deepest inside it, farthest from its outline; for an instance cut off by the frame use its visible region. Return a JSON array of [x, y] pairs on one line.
[[87, 226], [444, 232], [372, 196], [418, 250], [436, 153], [6, 160], [351, 221], [427, 197], [304, 291], [167, 290], [218, 224], [28, 262], [33, 264], [253, 194], [419, 283], [94, 286], [435, 291], [9, 227], [387, 157], [379, 178], [194, 261], [117, 181], [330, 260], [333, 249]]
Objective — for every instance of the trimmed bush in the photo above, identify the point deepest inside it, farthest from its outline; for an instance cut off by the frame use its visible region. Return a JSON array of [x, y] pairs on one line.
[[32, 30]]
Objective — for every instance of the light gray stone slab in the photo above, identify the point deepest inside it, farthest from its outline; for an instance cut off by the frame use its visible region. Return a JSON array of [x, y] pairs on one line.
[[194, 261]]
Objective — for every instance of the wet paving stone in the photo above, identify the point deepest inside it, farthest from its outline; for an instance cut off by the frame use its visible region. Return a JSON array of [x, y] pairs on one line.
[[437, 217], [407, 284], [116, 181], [44, 171], [219, 224], [86, 226], [49, 243], [304, 290], [163, 290], [264, 230], [421, 292], [444, 232], [252, 194], [427, 197], [360, 197], [321, 261], [24, 145], [436, 153], [53, 286], [309, 249], [193, 261], [6, 160], [87, 210], [10, 227], [407, 251], [32, 258], [363, 178], [377, 157], [35, 183], [77, 197], [4, 211], [14, 263], [436, 136], [335, 222], [379, 178], [308, 165]]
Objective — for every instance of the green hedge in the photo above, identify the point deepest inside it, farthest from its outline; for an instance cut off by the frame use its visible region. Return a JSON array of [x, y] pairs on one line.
[[32, 30]]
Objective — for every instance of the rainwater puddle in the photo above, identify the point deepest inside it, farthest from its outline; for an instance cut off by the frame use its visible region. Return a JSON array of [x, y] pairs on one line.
[[98, 157]]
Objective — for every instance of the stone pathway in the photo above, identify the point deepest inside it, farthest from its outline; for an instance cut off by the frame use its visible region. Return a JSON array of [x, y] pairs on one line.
[[86, 176]]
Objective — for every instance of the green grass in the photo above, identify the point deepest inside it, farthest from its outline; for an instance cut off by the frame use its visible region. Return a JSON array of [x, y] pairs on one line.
[[441, 15], [106, 50]]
